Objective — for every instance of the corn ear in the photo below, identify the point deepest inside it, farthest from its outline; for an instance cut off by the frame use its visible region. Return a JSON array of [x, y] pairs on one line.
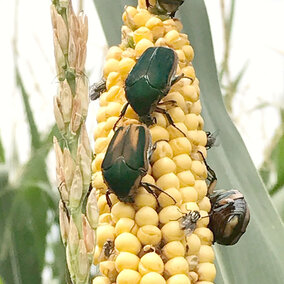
[[149, 245]]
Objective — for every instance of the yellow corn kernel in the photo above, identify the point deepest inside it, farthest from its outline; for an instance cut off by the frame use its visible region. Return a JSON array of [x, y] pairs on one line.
[[163, 149], [204, 204], [141, 18], [141, 33], [127, 242], [170, 213], [105, 218], [179, 279], [173, 249], [167, 181], [125, 225], [114, 53], [205, 235], [193, 244], [105, 232], [146, 216], [149, 235], [152, 277], [182, 162], [159, 133], [176, 265], [206, 271], [151, 262], [111, 65], [172, 232], [180, 145], [173, 197], [142, 45], [163, 166], [145, 199], [122, 210], [101, 280], [125, 66], [188, 194], [128, 276], [126, 260], [206, 254], [107, 268]]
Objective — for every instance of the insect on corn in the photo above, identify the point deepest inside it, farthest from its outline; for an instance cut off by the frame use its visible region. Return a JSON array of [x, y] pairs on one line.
[[127, 161]]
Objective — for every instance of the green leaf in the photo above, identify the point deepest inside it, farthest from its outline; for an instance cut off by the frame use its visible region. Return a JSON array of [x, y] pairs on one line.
[[35, 138], [263, 241], [277, 160], [2, 152], [110, 12], [23, 237], [259, 255]]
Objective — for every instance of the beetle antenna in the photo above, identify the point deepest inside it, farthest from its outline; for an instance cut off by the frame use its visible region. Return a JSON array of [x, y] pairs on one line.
[[123, 111], [156, 187]]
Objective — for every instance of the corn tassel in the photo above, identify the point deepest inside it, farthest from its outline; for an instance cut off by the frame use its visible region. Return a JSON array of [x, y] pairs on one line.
[[138, 230], [73, 162]]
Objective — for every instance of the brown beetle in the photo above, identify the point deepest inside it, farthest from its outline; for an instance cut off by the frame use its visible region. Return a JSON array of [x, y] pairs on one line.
[[229, 216]]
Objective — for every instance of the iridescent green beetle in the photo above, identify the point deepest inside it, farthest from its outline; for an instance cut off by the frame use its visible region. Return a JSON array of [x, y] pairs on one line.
[[126, 162], [147, 84]]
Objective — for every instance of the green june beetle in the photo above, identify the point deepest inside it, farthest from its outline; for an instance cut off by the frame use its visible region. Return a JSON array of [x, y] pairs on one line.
[[147, 84], [126, 162]]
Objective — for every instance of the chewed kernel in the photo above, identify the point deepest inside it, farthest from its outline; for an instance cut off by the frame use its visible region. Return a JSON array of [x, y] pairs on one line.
[[149, 235], [125, 225], [151, 262]]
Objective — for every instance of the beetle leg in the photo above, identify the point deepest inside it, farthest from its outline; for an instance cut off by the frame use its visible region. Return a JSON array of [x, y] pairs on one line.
[[211, 176], [169, 102], [177, 78], [156, 187], [147, 187], [123, 111], [169, 118], [108, 192]]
